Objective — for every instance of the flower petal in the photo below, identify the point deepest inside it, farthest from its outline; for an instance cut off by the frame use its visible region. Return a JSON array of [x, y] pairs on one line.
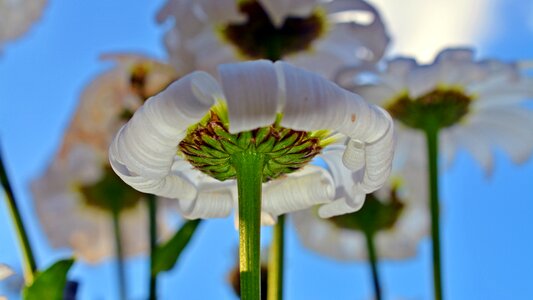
[[251, 90], [208, 204], [314, 103], [5, 271], [307, 187], [143, 151], [279, 10]]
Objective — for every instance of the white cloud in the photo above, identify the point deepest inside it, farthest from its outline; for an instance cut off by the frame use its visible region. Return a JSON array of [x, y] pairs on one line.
[[421, 28]]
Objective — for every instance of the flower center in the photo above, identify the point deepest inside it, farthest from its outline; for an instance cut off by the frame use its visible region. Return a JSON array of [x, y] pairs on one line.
[[110, 193], [209, 147], [374, 216], [259, 38], [441, 108]]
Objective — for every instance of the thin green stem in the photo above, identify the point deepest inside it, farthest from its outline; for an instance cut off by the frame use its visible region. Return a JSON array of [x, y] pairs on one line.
[[28, 260], [249, 167], [275, 262], [121, 274], [432, 134], [373, 260], [152, 214]]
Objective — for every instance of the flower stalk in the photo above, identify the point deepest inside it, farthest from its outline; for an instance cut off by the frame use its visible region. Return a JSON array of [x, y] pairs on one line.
[[152, 217], [28, 260], [373, 261], [119, 252], [432, 134], [276, 260], [249, 165]]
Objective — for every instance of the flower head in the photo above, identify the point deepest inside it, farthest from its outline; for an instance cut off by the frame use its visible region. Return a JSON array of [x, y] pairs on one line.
[[17, 16], [181, 142], [396, 216], [476, 104], [84, 192], [80, 186], [318, 35]]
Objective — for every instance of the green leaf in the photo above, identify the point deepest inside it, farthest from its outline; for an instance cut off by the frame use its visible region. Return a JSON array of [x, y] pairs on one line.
[[50, 283], [168, 254]]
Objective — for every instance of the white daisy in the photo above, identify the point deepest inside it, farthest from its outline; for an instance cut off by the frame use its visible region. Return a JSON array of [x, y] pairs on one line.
[[396, 216], [320, 36], [479, 105], [75, 198], [180, 140], [79, 184]]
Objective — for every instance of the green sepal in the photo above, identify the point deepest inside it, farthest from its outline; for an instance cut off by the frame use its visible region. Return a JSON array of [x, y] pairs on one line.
[[244, 139], [49, 284], [287, 142], [213, 142], [167, 254]]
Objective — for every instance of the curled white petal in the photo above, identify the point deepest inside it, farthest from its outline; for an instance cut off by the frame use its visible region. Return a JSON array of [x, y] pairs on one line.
[[314, 103], [210, 204], [251, 91], [143, 151], [310, 186]]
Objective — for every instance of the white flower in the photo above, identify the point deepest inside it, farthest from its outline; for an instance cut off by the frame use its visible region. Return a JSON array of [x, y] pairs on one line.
[[479, 105], [265, 102], [73, 216], [74, 195], [396, 215], [109, 100], [320, 36], [16, 17]]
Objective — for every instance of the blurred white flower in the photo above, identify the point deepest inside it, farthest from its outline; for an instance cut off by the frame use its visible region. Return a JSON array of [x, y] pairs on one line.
[[478, 105], [317, 35], [396, 216], [17, 16], [75, 199], [5, 271], [110, 99], [180, 140], [78, 191]]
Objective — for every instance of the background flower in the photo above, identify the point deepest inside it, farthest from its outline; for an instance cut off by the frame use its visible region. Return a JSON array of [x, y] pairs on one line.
[[319, 36], [481, 102], [401, 219]]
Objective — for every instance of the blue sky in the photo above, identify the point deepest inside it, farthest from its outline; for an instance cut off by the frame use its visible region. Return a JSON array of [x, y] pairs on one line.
[[486, 220]]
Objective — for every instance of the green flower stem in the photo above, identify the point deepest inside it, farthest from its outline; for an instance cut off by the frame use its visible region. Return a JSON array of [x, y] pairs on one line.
[[121, 274], [432, 134], [152, 214], [373, 260], [249, 166], [28, 260], [275, 261]]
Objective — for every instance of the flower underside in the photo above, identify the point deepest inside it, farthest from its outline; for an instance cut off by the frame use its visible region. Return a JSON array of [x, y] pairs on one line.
[[374, 216], [110, 193], [259, 38], [441, 107], [210, 147]]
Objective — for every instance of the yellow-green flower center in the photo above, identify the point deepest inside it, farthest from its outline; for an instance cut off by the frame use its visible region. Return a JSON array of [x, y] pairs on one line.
[[441, 108], [110, 193], [209, 146], [258, 37], [374, 216]]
